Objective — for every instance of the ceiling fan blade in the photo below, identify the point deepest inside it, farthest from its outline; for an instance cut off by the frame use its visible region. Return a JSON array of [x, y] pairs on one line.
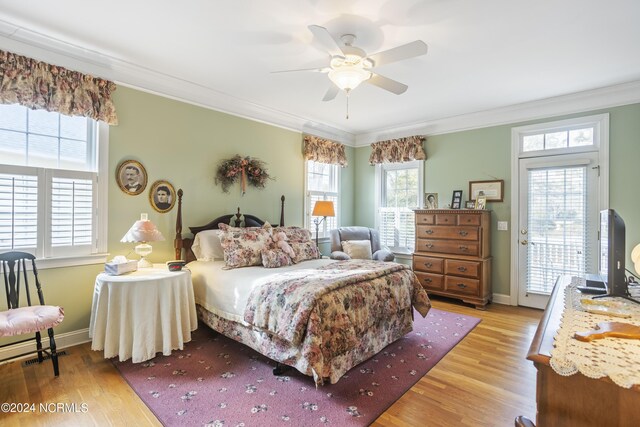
[[399, 53], [387, 84], [316, 70], [327, 40], [331, 93]]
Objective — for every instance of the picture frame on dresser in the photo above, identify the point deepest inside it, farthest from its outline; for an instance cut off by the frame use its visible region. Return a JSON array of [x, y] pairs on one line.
[[493, 190], [470, 204], [456, 199]]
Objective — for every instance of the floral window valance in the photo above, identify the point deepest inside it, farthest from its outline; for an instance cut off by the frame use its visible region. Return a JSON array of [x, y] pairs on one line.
[[324, 151], [38, 85], [398, 150]]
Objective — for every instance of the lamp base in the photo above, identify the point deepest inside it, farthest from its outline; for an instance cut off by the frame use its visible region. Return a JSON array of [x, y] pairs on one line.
[[144, 263]]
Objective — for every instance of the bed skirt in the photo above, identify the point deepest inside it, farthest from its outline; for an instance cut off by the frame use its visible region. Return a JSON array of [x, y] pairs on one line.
[[310, 357]]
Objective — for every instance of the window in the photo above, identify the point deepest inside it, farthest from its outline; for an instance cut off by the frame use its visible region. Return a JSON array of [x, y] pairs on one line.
[[322, 184], [399, 192], [566, 136], [49, 191]]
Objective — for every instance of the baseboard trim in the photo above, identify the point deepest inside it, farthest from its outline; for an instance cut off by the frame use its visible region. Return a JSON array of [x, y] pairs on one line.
[[64, 340], [501, 299]]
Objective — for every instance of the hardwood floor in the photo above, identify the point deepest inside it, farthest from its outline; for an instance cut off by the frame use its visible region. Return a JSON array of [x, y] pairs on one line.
[[484, 381]]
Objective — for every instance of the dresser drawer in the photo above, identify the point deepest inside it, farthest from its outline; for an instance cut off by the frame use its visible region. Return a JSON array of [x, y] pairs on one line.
[[458, 267], [456, 247], [430, 281], [425, 219], [446, 232], [461, 285], [446, 219], [428, 264], [468, 219]]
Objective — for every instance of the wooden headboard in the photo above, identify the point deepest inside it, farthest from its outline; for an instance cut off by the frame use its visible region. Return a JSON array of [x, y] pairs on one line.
[[235, 220]]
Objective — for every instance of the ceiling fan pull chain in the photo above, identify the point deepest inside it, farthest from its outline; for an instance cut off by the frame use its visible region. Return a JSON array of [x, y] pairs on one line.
[[348, 104]]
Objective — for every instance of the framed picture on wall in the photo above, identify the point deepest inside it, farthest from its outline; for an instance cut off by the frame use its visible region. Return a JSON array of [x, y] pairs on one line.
[[456, 199], [162, 196], [493, 191], [131, 177]]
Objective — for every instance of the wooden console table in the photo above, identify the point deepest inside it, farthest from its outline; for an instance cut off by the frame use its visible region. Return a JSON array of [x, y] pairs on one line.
[[576, 400]]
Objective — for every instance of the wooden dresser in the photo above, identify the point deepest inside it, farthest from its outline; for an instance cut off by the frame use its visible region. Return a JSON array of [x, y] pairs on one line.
[[575, 400], [453, 254]]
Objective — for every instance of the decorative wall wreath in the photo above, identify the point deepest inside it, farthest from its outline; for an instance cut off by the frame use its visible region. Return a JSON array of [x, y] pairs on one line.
[[247, 169]]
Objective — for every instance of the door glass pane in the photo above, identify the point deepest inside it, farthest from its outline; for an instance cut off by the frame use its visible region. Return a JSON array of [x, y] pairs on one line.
[[557, 226]]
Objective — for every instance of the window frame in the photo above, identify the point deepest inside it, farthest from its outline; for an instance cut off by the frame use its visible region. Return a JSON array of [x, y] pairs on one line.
[[401, 252], [68, 257], [323, 234]]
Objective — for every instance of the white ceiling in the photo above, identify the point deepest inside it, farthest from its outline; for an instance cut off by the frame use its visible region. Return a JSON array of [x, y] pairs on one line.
[[483, 55]]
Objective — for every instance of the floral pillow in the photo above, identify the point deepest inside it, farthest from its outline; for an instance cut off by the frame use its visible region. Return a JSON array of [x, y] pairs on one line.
[[304, 251], [294, 234], [274, 258], [243, 246]]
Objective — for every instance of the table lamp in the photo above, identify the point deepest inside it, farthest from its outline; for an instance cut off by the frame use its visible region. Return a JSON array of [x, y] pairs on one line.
[[635, 257], [143, 231], [324, 209]]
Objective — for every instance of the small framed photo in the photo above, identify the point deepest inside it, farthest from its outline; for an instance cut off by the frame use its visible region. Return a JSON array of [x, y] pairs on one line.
[[470, 204], [131, 177], [492, 190], [431, 200], [162, 196], [481, 202], [456, 199]]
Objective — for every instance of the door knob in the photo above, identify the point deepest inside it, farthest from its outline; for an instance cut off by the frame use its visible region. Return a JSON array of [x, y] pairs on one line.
[[524, 242]]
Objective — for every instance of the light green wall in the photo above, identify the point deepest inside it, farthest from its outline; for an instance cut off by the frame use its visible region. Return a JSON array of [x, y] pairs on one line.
[[183, 144], [454, 159]]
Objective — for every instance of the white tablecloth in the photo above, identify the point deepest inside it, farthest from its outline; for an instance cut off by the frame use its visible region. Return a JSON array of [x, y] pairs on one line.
[[138, 314]]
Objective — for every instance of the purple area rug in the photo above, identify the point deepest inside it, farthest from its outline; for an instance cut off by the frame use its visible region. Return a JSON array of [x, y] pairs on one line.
[[216, 381]]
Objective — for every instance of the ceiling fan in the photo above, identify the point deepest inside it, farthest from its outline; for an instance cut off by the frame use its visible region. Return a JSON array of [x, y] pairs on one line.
[[349, 65]]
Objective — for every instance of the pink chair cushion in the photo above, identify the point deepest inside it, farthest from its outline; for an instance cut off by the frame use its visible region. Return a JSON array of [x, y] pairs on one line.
[[23, 320]]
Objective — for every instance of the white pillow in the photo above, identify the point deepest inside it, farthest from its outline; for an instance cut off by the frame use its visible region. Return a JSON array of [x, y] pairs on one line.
[[357, 249], [207, 246]]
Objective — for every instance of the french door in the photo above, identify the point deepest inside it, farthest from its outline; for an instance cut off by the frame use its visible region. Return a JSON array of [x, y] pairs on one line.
[[558, 222]]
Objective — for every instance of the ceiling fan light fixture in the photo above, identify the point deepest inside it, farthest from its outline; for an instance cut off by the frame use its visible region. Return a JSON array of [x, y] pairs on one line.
[[348, 78]]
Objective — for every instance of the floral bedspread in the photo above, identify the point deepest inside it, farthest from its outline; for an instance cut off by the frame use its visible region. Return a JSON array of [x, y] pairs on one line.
[[354, 294]]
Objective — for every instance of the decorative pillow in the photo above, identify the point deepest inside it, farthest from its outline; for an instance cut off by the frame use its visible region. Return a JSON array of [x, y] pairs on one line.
[[207, 245], [274, 258], [304, 251], [357, 249], [243, 246], [294, 234]]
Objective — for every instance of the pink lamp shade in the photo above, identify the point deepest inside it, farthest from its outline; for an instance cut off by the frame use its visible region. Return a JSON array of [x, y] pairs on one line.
[[143, 231]]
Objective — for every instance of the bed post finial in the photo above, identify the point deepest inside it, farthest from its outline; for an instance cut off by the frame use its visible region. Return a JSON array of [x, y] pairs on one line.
[[282, 211], [177, 242]]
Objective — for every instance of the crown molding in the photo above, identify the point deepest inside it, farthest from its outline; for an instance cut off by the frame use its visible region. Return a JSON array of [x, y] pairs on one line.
[[33, 44], [578, 102], [44, 48]]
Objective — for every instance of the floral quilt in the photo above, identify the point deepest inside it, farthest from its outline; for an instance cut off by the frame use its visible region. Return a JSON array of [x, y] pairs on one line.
[[328, 311]]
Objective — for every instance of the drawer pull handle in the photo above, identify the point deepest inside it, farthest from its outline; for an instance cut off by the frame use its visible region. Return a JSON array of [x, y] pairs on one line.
[[462, 268], [429, 231], [428, 264], [462, 285], [429, 245], [463, 248], [463, 233], [428, 280]]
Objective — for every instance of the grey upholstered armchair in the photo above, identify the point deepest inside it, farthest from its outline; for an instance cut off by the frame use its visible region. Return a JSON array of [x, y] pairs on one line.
[[343, 234]]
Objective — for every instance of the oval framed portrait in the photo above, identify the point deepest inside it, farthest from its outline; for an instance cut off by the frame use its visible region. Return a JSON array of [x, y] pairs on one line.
[[131, 177], [162, 196]]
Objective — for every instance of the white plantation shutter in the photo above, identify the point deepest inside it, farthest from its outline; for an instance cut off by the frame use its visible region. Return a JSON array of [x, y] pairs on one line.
[[72, 212], [18, 212], [557, 226]]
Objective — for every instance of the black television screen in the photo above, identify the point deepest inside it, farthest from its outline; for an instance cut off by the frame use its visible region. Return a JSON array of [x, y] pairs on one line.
[[612, 253]]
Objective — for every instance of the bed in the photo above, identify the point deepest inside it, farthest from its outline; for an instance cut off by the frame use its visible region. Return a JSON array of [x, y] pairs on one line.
[[320, 316]]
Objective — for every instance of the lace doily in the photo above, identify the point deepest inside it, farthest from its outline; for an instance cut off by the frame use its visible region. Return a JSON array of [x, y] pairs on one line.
[[616, 358]]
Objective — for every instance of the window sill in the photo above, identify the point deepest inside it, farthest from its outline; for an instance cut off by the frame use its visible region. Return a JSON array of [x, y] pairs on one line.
[[72, 261]]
